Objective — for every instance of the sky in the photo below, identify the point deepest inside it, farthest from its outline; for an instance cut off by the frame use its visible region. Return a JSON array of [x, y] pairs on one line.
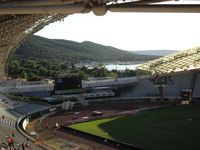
[[130, 31]]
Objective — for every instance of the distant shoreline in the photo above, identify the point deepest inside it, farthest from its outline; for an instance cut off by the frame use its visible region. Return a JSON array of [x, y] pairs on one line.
[[114, 66]]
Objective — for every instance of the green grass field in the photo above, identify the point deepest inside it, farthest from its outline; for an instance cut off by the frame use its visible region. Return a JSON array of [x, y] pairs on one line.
[[175, 128]]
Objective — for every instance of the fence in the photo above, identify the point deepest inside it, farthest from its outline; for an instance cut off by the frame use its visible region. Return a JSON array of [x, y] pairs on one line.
[[124, 113], [112, 143]]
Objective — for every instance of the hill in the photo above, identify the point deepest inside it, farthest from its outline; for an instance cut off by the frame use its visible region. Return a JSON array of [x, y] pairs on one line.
[[155, 52], [37, 48]]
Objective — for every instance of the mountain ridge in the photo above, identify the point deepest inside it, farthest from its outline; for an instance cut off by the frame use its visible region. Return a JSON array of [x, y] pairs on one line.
[[155, 52], [37, 48]]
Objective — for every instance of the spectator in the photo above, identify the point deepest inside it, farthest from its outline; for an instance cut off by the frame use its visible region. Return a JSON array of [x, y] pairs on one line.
[[26, 142], [23, 146], [13, 133], [9, 142]]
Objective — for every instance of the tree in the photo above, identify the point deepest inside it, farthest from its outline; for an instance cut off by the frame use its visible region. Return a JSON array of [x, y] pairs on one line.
[[24, 74], [43, 71], [83, 75]]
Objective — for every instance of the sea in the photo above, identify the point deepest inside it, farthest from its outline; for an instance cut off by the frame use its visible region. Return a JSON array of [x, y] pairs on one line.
[[112, 66], [121, 67]]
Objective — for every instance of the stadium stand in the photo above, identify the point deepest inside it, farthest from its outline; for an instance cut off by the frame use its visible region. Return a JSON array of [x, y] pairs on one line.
[[196, 89], [177, 62], [175, 73]]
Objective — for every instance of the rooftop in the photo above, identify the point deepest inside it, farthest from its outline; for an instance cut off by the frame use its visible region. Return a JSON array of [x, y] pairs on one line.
[[181, 61]]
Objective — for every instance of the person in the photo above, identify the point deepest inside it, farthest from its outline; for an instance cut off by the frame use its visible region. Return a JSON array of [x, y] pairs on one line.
[[26, 142], [2, 148], [9, 141], [13, 133], [4, 145], [54, 132], [23, 146]]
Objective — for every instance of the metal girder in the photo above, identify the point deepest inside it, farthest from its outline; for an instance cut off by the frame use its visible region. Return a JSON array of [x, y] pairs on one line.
[[151, 1], [36, 3], [100, 9], [61, 9], [169, 8]]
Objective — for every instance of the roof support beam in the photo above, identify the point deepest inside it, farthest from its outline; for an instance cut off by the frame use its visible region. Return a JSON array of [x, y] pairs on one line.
[[151, 1], [165, 8], [60, 9], [37, 3]]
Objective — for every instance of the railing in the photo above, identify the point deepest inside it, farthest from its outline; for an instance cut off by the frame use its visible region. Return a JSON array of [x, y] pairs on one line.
[[142, 98], [27, 88], [101, 140], [124, 113], [106, 141], [20, 129]]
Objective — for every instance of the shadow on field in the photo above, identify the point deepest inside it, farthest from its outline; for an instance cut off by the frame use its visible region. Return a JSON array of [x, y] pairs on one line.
[[174, 128], [120, 129]]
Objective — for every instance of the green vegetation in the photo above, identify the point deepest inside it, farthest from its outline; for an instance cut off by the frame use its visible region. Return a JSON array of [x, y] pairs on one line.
[[36, 70], [39, 48], [39, 57], [169, 129]]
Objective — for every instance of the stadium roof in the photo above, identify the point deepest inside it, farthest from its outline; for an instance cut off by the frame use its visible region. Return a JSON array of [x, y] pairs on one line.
[[177, 62], [21, 18]]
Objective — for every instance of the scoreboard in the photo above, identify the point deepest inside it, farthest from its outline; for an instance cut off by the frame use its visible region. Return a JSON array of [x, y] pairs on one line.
[[186, 94], [67, 84]]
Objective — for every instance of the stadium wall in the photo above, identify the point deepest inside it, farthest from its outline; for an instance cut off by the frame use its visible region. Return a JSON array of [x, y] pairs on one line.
[[196, 90], [180, 81]]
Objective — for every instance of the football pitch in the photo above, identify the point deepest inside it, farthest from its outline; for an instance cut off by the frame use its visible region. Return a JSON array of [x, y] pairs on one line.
[[176, 128]]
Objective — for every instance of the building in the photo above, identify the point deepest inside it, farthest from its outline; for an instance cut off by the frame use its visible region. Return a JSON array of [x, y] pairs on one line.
[[170, 75]]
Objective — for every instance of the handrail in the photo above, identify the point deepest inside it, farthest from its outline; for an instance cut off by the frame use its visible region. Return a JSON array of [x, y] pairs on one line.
[[21, 130]]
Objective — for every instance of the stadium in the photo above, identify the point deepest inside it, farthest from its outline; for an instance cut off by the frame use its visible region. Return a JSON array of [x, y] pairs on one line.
[[160, 112], [156, 110], [176, 73]]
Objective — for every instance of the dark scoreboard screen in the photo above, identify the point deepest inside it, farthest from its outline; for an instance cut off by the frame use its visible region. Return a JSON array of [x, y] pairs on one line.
[[186, 94], [67, 83]]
